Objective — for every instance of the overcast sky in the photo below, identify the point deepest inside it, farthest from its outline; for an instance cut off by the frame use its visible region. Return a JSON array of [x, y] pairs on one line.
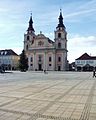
[[79, 19]]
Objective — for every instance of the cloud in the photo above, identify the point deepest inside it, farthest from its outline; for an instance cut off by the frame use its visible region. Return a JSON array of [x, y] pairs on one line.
[[78, 11], [78, 45], [83, 12], [82, 40]]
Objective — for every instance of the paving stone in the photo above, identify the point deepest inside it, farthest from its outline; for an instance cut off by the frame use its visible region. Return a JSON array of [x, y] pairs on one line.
[[54, 96]]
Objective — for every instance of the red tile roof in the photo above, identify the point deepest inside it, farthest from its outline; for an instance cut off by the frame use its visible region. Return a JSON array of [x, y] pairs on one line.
[[85, 56]]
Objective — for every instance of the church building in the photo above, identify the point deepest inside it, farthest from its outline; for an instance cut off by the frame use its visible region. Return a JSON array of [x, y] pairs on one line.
[[44, 53]]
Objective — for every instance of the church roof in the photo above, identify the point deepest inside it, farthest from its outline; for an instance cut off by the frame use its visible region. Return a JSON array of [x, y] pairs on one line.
[[7, 52], [85, 56], [50, 41]]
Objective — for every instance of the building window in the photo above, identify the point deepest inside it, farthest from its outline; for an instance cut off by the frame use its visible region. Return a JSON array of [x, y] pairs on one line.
[[59, 59], [49, 64], [28, 37], [49, 59], [31, 65], [31, 59], [65, 37], [59, 35], [40, 58], [26, 47], [59, 45]]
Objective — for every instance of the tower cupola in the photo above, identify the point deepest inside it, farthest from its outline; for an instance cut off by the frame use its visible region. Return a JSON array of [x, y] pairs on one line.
[[30, 28], [60, 25]]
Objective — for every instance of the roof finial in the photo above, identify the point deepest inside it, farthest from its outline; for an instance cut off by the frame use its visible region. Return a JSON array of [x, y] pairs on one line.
[[30, 28], [60, 20], [31, 13], [60, 10]]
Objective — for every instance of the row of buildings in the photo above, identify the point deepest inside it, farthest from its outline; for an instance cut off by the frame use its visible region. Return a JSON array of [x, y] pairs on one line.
[[9, 60], [46, 54]]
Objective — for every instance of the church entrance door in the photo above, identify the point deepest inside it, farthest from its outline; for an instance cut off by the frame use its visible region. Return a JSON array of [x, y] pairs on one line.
[[59, 68], [39, 66]]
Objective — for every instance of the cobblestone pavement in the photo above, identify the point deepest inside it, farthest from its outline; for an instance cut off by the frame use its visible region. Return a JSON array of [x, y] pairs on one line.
[[52, 96]]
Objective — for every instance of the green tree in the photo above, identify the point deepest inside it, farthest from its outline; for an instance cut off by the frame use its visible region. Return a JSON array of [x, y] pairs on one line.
[[23, 62]]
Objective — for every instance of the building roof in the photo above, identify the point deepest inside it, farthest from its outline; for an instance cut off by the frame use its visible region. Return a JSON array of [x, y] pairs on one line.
[[30, 28], [50, 41], [85, 56], [7, 52], [61, 21]]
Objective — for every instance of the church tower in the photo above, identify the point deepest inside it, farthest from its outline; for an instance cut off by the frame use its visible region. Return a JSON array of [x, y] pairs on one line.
[[29, 36], [61, 44]]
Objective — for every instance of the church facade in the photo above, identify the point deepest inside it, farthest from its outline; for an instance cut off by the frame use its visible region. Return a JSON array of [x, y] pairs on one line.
[[44, 53]]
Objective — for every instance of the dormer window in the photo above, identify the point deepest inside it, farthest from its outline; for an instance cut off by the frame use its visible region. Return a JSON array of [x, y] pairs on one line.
[[2, 53], [5, 52], [59, 35]]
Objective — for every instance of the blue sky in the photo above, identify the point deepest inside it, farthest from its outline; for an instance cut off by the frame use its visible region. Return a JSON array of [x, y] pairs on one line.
[[79, 19]]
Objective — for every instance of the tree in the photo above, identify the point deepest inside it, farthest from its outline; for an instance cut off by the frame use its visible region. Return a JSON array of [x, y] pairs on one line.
[[23, 62]]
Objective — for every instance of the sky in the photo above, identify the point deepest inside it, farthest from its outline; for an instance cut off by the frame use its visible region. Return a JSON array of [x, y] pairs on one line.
[[79, 19]]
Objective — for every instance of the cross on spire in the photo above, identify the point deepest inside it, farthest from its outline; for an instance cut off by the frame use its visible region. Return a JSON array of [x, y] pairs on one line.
[[31, 13]]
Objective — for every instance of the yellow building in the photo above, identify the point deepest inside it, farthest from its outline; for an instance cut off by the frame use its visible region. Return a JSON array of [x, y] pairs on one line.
[[9, 60]]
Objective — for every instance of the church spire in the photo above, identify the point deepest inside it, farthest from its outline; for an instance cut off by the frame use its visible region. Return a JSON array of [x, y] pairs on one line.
[[60, 21], [30, 28]]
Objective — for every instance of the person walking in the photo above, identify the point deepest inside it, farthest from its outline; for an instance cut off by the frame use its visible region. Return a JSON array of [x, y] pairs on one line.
[[94, 73]]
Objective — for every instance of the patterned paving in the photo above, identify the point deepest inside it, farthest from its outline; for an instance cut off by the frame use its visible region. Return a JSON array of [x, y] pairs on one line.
[[52, 96]]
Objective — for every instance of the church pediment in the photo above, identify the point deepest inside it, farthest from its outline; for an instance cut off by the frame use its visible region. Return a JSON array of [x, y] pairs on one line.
[[40, 36]]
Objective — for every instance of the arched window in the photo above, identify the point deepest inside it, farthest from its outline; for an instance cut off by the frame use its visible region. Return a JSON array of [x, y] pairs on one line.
[[59, 59], [59, 45], [28, 37], [59, 35], [49, 59], [26, 47]]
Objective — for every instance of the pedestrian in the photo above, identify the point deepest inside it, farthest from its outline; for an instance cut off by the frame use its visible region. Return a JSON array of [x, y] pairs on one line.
[[45, 71], [94, 73]]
